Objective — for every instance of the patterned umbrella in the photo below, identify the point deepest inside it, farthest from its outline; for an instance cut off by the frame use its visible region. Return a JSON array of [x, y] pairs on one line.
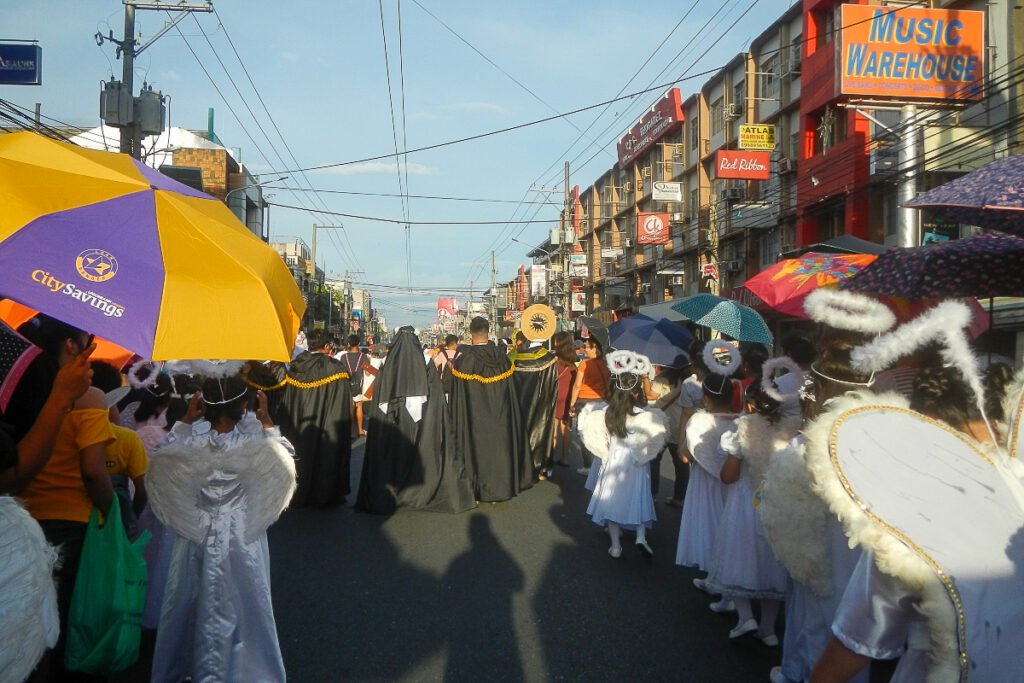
[[109, 245], [662, 341], [985, 265], [785, 285], [16, 353], [725, 315], [991, 197]]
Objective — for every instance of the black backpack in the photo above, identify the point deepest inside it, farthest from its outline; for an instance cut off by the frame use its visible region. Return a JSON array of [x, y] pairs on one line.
[[446, 372], [355, 375]]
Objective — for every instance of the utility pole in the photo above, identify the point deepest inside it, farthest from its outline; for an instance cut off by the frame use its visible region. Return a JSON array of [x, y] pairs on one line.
[[494, 301], [564, 253], [324, 227]]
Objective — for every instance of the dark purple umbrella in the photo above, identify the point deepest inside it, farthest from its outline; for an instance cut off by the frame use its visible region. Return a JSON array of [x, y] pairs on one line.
[[662, 341], [991, 197], [981, 266]]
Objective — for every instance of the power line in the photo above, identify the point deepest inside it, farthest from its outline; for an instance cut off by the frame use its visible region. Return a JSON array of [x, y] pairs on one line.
[[402, 221]]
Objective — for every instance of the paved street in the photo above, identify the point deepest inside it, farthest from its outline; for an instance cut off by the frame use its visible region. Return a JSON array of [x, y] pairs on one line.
[[522, 590]]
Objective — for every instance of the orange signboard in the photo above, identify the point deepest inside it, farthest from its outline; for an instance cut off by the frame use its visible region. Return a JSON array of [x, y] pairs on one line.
[[909, 52]]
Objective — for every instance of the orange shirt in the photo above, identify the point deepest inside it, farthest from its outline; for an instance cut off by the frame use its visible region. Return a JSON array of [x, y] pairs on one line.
[[595, 378], [58, 492]]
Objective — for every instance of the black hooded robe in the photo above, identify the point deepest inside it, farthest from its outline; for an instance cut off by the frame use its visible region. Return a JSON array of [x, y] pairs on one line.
[[486, 428], [405, 463], [536, 380]]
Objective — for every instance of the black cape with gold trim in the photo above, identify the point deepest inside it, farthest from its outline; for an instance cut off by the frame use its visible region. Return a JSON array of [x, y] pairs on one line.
[[405, 462], [486, 428], [536, 380], [317, 420]]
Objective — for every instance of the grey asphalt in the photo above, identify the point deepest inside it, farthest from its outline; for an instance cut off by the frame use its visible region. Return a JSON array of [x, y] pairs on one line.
[[516, 591]]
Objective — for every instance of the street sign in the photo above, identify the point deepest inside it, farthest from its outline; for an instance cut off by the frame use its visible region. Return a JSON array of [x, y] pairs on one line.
[[21, 64], [667, 192]]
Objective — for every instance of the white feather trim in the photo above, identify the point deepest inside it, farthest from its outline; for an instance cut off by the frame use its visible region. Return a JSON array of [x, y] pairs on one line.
[[703, 440], [179, 473], [846, 310], [1013, 411], [150, 380], [623, 361], [891, 556], [760, 439], [767, 383], [716, 347], [591, 427], [646, 432], [205, 368]]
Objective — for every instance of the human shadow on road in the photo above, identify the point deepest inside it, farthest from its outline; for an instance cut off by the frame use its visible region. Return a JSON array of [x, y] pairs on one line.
[[478, 588]]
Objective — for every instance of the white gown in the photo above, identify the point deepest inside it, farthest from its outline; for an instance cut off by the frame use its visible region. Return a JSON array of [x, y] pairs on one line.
[[219, 493], [705, 493]]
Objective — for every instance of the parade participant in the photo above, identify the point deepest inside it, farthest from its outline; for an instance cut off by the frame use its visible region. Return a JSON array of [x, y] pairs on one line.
[[405, 463], [668, 386], [591, 384], [626, 435], [565, 352], [705, 493], [486, 427], [219, 482], [358, 366], [443, 359], [311, 403], [536, 382]]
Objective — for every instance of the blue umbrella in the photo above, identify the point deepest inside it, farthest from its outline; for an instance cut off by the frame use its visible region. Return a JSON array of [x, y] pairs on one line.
[[662, 341], [725, 315]]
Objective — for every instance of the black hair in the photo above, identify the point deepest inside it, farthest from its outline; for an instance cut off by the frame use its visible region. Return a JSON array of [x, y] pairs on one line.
[[353, 340], [48, 333], [996, 380], [754, 356], [943, 393], [316, 339], [154, 398], [561, 344], [600, 347], [105, 376], [478, 326], [718, 389], [451, 339], [217, 390], [761, 402], [621, 402], [799, 348], [696, 352]]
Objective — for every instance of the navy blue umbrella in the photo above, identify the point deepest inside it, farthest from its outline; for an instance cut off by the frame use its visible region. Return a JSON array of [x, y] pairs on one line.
[[662, 341], [992, 197]]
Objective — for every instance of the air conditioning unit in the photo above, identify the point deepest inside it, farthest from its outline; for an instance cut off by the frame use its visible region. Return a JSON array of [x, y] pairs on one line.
[[677, 217], [646, 172], [627, 186], [733, 266], [734, 111], [787, 165], [628, 242], [731, 194]]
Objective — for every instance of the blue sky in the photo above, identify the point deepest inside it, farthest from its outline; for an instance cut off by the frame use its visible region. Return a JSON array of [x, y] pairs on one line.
[[320, 70]]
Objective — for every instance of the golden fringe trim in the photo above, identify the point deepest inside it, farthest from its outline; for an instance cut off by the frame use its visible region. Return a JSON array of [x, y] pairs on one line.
[[484, 380], [300, 385], [537, 368]]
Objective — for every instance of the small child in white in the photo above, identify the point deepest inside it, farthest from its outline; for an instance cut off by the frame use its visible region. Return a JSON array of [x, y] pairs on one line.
[[626, 435]]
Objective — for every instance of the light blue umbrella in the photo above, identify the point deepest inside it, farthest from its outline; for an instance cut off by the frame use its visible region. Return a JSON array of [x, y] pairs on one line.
[[725, 315]]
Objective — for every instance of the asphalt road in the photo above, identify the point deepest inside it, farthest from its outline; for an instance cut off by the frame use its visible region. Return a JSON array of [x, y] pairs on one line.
[[522, 590]]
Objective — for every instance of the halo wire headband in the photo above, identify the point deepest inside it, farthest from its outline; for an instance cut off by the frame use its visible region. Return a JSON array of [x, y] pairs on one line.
[[819, 373], [226, 400], [628, 362], [715, 348], [769, 386], [845, 310]]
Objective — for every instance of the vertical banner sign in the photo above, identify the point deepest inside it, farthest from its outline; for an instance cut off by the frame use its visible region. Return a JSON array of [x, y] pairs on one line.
[[652, 228], [743, 165], [910, 52]]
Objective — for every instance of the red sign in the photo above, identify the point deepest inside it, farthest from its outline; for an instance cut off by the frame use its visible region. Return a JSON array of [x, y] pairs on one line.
[[665, 117], [652, 228], [447, 308], [709, 270], [744, 165]]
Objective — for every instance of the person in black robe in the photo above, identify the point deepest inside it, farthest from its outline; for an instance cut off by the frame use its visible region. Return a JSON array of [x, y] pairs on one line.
[[312, 404], [486, 428], [405, 463], [536, 381]]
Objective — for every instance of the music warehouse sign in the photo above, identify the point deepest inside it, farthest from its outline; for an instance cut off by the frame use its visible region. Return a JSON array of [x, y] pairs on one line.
[[665, 117], [743, 165]]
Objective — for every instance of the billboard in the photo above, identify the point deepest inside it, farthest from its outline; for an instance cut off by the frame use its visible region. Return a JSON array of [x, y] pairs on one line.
[[757, 136], [743, 165], [666, 116], [910, 52], [652, 228], [447, 308], [21, 64]]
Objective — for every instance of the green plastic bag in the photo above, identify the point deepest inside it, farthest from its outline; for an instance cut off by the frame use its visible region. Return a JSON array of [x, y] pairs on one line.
[[105, 619]]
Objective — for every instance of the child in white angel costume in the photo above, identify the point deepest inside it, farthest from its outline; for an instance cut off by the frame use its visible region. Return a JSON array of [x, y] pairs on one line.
[[219, 483], [626, 435]]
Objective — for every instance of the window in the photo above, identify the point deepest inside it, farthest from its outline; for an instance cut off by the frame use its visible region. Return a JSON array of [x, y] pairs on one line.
[[738, 93], [717, 117], [769, 248], [694, 204], [770, 78], [693, 133], [826, 24], [795, 52]]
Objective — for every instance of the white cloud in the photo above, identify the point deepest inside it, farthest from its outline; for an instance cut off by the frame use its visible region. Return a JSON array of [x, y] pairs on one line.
[[376, 167]]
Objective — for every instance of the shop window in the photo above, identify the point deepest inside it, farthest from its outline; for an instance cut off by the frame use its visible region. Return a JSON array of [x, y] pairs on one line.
[[717, 117]]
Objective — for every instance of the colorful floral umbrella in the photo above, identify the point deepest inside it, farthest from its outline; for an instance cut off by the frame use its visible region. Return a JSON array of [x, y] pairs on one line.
[[985, 265], [991, 197], [785, 285], [109, 245], [725, 315], [662, 341]]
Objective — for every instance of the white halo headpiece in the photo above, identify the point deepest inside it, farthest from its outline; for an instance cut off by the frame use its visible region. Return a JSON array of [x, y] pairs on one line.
[[622, 361], [133, 374], [717, 346], [767, 383], [845, 310], [205, 368]]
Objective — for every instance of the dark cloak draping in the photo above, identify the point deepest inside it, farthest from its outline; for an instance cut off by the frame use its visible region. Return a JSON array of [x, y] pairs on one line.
[[536, 380], [405, 463], [317, 421], [486, 428]]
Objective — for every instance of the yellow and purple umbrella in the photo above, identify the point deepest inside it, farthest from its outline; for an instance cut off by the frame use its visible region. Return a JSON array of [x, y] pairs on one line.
[[105, 243], [785, 285]]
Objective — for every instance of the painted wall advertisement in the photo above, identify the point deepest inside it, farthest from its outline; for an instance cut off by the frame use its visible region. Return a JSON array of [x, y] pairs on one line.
[[652, 228], [911, 52], [447, 308], [743, 165], [666, 116]]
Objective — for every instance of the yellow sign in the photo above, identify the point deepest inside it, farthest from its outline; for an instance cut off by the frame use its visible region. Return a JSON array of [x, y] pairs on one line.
[[757, 137]]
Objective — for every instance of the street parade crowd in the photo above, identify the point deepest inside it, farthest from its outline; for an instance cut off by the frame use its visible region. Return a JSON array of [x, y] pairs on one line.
[[855, 497]]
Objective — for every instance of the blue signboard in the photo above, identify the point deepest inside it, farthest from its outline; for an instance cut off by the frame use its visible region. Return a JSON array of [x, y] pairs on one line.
[[21, 64]]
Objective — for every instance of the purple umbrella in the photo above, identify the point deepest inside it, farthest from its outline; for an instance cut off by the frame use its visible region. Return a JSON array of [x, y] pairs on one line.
[[985, 265], [662, 341], [991, 197]]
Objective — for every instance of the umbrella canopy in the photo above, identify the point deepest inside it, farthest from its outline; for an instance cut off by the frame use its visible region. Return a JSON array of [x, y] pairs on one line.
[[597, 330], [665, 343], [109, 245], [985, 265], [785, 285], [991, 197], [727, 316]]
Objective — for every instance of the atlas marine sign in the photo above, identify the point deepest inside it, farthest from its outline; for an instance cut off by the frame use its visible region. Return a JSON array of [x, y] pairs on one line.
[[910, 52], [665, 117]]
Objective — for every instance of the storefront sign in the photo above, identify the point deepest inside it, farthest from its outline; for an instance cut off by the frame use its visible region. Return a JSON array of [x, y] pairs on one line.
[[579, 303], [754, 136], [667, 192], [665, 117], [911, 52], [709, 270], [743, 165], [652, 228], [21, 64], [447, 308], [578, 265]]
